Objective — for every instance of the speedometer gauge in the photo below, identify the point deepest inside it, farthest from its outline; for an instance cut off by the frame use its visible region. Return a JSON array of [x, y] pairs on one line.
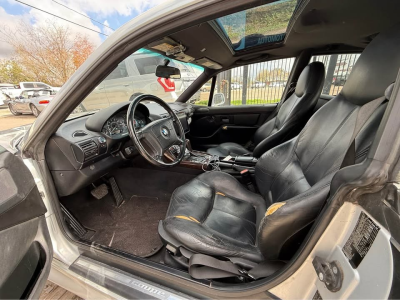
[[116, 126]]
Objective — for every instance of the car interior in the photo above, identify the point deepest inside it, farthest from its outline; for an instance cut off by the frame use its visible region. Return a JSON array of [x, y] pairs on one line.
[[229, 192]]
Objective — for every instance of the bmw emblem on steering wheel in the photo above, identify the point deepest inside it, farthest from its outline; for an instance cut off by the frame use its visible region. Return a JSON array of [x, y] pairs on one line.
[[165, 132]]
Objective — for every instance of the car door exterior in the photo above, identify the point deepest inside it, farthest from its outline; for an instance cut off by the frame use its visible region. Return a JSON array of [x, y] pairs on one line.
[[25, 245], [97, 99], [22, 104], [118, 84]]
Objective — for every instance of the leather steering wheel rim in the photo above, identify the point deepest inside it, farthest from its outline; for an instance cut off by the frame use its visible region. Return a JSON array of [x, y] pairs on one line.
[[160, 134]]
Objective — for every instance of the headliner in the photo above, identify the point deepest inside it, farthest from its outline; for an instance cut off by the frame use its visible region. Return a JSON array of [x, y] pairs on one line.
[[325, 26]]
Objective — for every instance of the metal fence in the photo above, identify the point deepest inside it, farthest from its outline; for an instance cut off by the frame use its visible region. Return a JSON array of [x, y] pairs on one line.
[[258, 83], [264, 83], [338, 68]]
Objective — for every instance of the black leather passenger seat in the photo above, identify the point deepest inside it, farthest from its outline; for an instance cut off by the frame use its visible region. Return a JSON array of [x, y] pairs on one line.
[[293, 113]]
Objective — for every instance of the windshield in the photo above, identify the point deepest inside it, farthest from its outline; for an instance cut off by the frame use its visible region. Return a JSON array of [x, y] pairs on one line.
[[136, 75]]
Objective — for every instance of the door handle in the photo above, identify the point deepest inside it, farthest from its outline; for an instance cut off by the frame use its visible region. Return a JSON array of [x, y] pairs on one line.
[[126, 85], [225, 120]]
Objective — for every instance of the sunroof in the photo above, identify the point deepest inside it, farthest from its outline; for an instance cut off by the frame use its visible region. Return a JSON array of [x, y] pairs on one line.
[[261, 25]]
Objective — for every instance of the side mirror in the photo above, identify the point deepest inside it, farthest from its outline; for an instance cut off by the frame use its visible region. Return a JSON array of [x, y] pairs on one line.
[[218, 99], [168, 72]]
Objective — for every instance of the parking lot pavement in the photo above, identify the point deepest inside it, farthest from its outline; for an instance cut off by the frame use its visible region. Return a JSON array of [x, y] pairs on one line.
[[8, 120]]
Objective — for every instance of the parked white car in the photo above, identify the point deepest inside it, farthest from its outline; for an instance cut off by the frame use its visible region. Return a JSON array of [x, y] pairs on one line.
[[30, 85], [136, 75]]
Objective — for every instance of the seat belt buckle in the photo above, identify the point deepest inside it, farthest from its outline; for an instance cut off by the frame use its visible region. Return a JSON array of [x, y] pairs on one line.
[[247, 179], [246, 274]]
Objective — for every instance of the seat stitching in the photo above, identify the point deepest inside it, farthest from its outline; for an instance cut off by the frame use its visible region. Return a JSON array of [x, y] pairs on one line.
[[211, 206]]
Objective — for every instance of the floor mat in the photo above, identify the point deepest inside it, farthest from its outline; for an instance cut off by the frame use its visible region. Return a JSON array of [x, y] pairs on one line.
[[132, 227]]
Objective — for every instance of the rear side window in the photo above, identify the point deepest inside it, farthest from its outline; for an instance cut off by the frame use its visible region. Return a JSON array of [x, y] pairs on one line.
[[148, 65], [28, 85], [42, 86], [338, 68]]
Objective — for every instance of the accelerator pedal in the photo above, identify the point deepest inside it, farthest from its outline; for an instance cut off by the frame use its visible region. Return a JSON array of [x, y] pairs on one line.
[[75, 225], [118, 198], [100, 191]]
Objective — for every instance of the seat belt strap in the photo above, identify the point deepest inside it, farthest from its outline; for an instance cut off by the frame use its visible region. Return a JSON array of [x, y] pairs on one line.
[[207, 267], [363, 116]]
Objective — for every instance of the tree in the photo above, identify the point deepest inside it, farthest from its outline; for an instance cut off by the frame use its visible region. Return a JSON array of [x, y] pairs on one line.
[[11, 72], [81, 50], [49, 52], [277, 74]]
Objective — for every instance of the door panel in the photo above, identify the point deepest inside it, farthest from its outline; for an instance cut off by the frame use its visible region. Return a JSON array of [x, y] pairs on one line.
[[25, 246], [214, 125]]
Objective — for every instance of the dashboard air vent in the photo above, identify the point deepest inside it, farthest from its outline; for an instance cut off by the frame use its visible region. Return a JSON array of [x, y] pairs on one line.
[[79, 133], [89, 149]]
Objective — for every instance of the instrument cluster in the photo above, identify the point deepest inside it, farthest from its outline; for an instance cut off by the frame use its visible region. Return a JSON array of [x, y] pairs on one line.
[[116, 126]]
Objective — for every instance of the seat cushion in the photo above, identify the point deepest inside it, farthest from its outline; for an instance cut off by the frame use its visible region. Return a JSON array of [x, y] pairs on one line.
[[226, 149], [214, 214]]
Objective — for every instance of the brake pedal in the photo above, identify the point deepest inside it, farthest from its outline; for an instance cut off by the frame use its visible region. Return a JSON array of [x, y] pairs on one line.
[[100, 192], [75, 225], [119, 199]]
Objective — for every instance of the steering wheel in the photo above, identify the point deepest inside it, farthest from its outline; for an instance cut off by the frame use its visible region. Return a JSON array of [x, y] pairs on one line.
[[155, 139]]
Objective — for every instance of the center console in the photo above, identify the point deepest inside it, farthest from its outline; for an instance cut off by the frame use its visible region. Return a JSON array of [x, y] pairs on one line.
[[193, 159], [204, 161]]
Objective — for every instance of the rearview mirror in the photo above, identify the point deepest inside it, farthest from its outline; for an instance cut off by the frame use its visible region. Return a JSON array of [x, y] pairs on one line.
[[168, 72], [218, 99]]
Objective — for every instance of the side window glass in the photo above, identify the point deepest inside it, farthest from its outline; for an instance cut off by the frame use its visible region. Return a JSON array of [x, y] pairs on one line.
[[119, 72], [205, 91], [338, 68], [255, 84]]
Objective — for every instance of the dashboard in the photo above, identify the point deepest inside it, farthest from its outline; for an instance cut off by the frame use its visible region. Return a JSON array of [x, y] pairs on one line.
[[84, 149]]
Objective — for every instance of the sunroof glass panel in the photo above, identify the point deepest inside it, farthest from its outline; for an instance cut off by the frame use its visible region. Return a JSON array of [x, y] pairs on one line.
[[264, 24]]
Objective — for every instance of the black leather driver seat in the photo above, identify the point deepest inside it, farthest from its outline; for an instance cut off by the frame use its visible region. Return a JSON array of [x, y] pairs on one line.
[[214, 214], [293, 112]]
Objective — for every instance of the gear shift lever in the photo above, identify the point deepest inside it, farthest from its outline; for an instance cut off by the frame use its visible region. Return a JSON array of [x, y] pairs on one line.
[[189, 145]]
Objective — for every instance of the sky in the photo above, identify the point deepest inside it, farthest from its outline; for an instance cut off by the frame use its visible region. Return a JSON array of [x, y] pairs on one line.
[[112, 13]]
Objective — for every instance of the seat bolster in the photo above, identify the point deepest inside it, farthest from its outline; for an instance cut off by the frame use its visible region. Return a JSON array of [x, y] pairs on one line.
[[204, 240], [283, 220], [226, 149], [272, 141], [229, 185]]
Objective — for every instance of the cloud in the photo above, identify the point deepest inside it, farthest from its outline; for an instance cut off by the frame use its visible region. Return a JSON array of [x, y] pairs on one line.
[[106, 29], [9, 21], [97, 9], [104, 8]]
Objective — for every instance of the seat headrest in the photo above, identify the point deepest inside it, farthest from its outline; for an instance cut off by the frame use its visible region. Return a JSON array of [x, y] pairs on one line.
[[376, 68], [309, 78]]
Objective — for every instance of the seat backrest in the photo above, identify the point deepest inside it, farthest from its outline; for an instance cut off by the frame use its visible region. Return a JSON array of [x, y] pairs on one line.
[[293, 112], [295, 176]]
